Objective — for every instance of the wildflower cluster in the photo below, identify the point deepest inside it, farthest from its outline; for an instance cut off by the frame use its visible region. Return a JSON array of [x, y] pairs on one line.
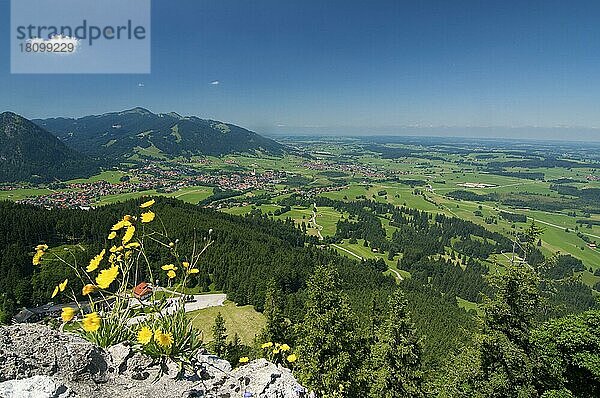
[[111, 314], [278, 353]]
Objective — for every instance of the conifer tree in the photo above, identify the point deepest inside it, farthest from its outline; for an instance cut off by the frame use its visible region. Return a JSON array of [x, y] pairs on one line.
[[397, 354], [507, 362], [276, 325], [328, 358], [219, 332]]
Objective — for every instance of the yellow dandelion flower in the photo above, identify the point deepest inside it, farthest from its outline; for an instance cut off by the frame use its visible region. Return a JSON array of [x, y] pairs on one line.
[[95, 262], [62, 286], [193, 271], [244, 359], [148, 217], [55, 292], [116, 249], [147, 204], [185, 264], [128, 234], [284, 347], [41, 248], [107, 276], [132, 245], [292, 358], [171, 274], [87, 289], [267, 345], [169, 267], [163, 339], [37, 257], [67, 314], [112, 235], [144, 335], [91, 322], [121, 224]]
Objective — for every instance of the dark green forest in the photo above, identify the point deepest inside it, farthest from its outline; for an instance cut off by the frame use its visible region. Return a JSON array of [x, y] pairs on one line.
[[385, 339]]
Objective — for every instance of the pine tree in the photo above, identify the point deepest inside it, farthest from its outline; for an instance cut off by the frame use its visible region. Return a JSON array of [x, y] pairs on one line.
[[219, 332], [328, 357], [397, 354], [276, 326], [507, 362]]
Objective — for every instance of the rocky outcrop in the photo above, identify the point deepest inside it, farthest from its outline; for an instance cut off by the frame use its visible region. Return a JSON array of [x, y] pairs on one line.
[[36, 361]]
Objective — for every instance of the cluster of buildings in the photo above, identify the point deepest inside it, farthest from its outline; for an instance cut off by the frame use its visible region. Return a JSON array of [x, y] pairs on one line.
[[351, 168], [85, 195]]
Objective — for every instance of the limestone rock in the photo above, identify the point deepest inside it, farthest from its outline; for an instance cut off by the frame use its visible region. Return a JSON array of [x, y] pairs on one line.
[[36, 361], [35, 387], [29, 350]]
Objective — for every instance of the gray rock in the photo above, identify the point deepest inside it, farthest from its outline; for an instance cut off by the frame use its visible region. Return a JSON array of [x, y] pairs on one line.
[[261, 378], [45, 361], [215, 363], [28, 350], [119, 354], [35, 387]]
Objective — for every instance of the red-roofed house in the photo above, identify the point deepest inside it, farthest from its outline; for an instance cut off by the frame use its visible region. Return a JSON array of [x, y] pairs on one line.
[[142, 291]]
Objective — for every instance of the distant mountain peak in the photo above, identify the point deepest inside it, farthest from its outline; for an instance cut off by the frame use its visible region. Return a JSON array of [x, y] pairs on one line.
[[137, 109], [139, 133]]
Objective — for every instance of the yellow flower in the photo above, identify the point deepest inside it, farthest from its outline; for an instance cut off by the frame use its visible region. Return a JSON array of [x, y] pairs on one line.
[[185, 264], [169, 267], [267, 345], [292, 358], [62, 286], [67, 314], [91, 322], [116, 249], [107, 276], [193, 271], [41, 248], [171, 274], [55, 292], [37, 257], [285, 347], [95, 262], [147, 204], [122, 224], [163, 339], [87, 289], [132, 245], [112, 235], [128, 234], [276, 351], [244, 359], [148, 216], [144, 335]]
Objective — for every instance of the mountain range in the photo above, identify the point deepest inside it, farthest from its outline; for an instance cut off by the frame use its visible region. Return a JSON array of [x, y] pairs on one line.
[[44, 150], [30, 153], [139, 132]]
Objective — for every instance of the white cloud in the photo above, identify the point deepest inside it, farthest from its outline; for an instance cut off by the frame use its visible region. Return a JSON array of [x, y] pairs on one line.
[[215, 82], [140, 84]]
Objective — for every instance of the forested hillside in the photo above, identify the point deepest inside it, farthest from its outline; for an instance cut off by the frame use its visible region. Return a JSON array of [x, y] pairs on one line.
[[139, 131], [247, 253], [30, 153], [275, 267]]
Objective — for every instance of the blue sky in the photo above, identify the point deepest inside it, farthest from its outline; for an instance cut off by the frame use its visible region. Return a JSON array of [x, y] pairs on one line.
[[357, 66]]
